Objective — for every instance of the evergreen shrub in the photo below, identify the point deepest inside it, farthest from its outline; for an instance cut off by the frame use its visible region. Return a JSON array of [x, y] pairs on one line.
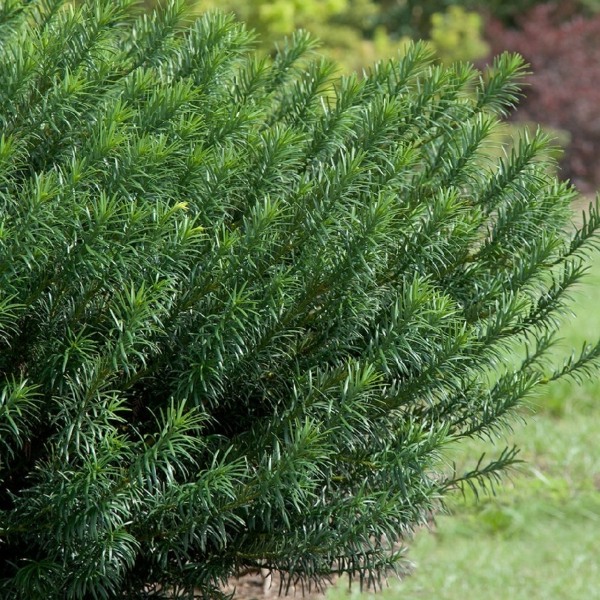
[[247, 305]]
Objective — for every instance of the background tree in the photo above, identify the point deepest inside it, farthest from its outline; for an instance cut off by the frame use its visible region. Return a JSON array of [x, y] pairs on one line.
[[348, 29], [246, 306], [356, 33], [563, 48]]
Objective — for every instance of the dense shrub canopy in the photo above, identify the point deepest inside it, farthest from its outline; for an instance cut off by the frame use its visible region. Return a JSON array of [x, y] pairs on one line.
[[246, 305]]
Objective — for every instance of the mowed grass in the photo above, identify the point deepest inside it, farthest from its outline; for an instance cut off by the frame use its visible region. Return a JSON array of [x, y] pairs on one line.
[[539, 536]]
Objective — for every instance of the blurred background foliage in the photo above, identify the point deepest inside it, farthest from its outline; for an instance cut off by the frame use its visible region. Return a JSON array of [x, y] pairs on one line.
[[561, 42]]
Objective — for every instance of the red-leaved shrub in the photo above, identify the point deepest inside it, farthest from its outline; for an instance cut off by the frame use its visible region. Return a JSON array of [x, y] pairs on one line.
[[564, 90]]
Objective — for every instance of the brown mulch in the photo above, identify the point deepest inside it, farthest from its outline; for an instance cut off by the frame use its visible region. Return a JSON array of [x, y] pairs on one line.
[[256, 586]]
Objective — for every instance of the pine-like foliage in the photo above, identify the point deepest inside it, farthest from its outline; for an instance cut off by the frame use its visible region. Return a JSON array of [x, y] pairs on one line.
[[246, 305]]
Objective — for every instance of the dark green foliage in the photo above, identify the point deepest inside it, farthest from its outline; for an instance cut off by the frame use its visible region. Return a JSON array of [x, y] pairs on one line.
[[245, 305]]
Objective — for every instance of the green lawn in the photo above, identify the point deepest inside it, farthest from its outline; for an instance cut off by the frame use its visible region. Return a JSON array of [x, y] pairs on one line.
[[539, 537]]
